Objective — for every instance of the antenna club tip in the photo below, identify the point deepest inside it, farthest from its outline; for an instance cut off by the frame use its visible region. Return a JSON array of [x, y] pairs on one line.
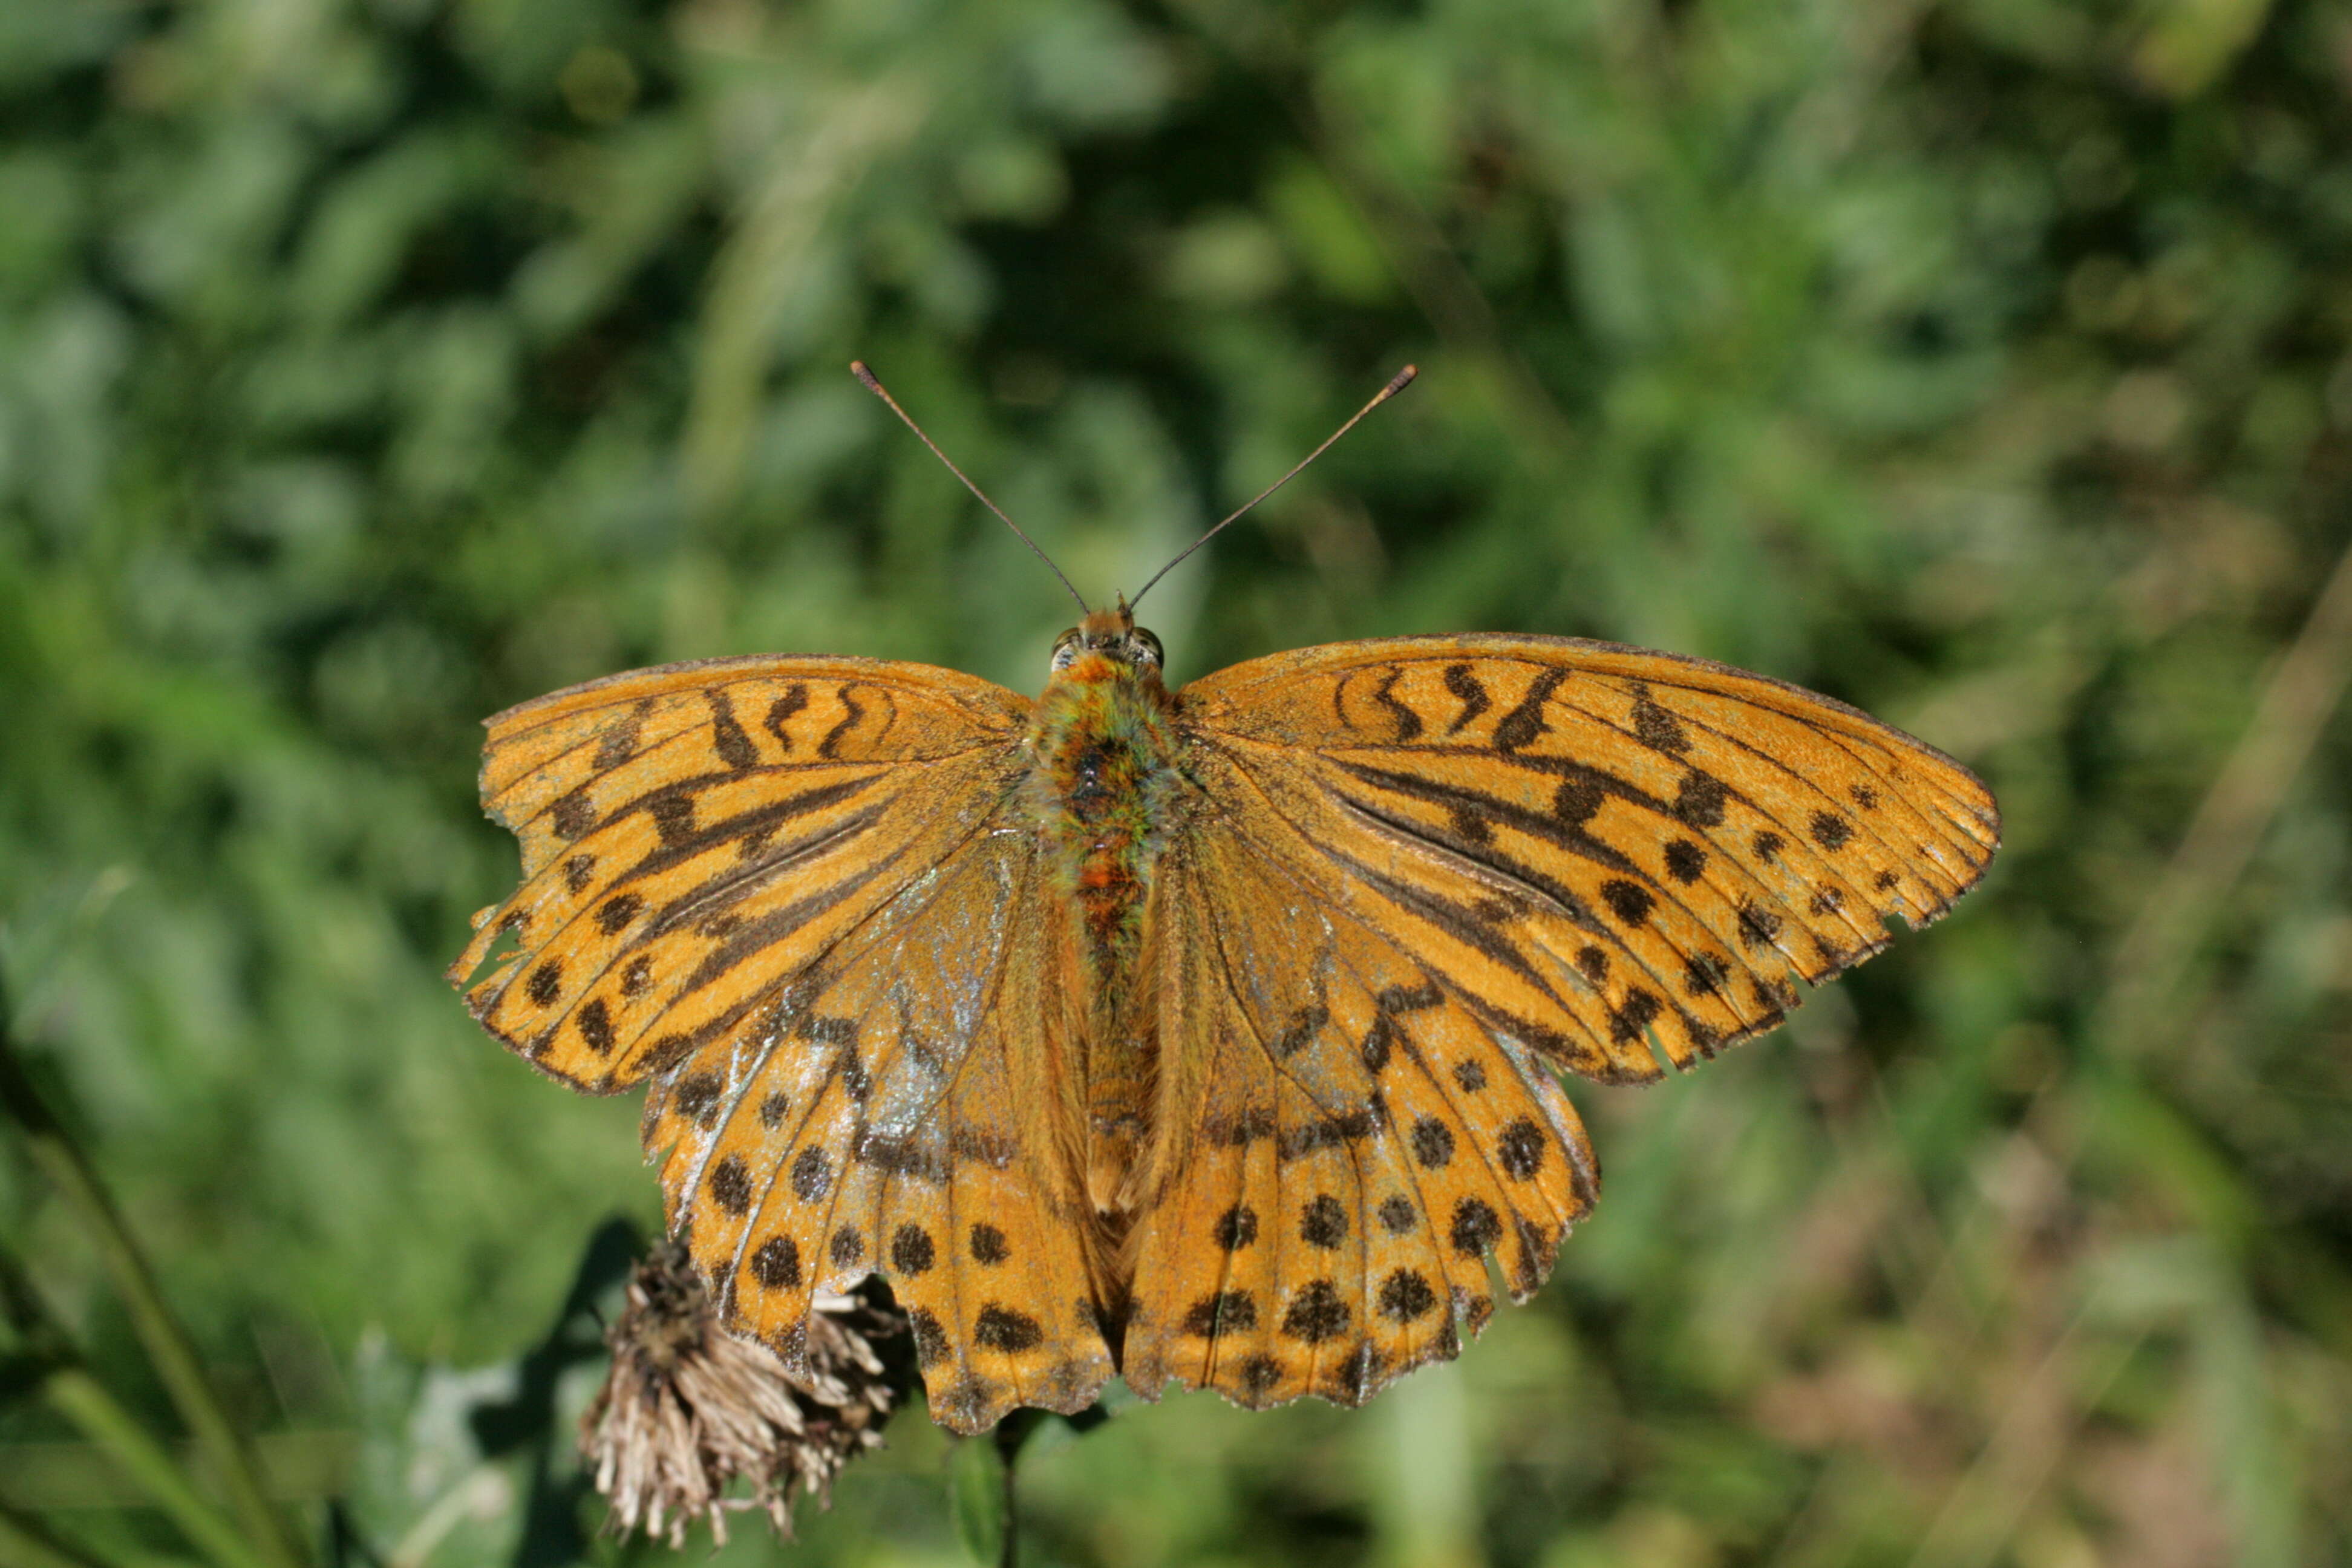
[[1400, 381], [857, 368]]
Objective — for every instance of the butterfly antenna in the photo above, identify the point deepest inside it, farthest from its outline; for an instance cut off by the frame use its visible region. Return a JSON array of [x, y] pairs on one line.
[[1397, 384], [857, 368]]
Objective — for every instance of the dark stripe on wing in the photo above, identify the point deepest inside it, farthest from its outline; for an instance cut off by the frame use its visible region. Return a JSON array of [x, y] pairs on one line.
[[764, 932]]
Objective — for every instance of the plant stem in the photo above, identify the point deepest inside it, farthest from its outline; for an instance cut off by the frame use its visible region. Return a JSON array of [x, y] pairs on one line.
[[224, 1450], [1008, 1443], [79, 1398]]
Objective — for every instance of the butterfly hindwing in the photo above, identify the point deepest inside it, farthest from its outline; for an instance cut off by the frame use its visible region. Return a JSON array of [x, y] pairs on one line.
[[1345, 1140], [881, 1116]]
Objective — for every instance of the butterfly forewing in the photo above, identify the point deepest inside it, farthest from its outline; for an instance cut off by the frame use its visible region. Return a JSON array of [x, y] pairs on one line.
[[693, 834], [1660, 845]]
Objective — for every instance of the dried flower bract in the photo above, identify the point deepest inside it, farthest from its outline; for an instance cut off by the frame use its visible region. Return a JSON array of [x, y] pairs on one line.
[[689, 1407]]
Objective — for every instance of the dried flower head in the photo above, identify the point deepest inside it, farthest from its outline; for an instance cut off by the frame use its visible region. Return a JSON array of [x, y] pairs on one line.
[[688, 1407]]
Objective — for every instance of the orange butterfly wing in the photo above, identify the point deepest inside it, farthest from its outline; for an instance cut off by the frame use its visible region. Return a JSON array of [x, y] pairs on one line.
[[1418, 871], [802, 895]]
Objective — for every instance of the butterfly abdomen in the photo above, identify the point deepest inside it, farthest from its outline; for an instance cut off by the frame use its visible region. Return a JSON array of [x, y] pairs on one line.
[[1104, 785]]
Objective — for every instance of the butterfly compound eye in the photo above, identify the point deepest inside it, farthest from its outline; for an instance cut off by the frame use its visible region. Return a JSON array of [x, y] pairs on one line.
[[1144, 647], [1066, 648]]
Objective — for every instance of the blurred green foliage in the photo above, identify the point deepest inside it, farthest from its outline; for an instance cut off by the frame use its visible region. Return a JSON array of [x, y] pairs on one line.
[[367, 365]]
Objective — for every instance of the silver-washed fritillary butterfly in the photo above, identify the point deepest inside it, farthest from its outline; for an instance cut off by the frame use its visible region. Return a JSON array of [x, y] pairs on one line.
[[1206, 1037]]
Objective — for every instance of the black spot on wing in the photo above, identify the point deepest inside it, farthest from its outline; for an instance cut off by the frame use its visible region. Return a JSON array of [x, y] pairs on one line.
[[827, 1031], [1409, 998], [812, 1174], [1657, 729], [1632, 1015], [665, 1054], [1475, 1227], [1323, 1222], [1316, 1314], [777, 1265], [1351, 1379], [638, 975], [1328, 1132], [1433, 1143], [852, 711], [1384, 1034], [781, 713], [1000, 1328], [620, 742], [573, 814], [1578, 800], [1406, 1295], [1521, 1150], [1407, 722], [1464, 683], [727, 736], [1523, 723], [730, 1185], [1700, 799], [1227, 1311], [1686, 861], [930, 1340], [673, 813], [697, 1098], [1629, 901], [848, 1247], [911, 1251]]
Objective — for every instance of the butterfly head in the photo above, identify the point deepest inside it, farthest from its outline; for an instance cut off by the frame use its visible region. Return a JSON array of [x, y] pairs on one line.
[[1109, 635]]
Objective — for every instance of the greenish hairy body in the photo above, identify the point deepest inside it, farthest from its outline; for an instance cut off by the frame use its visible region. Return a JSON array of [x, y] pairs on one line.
[[1106, 785]]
